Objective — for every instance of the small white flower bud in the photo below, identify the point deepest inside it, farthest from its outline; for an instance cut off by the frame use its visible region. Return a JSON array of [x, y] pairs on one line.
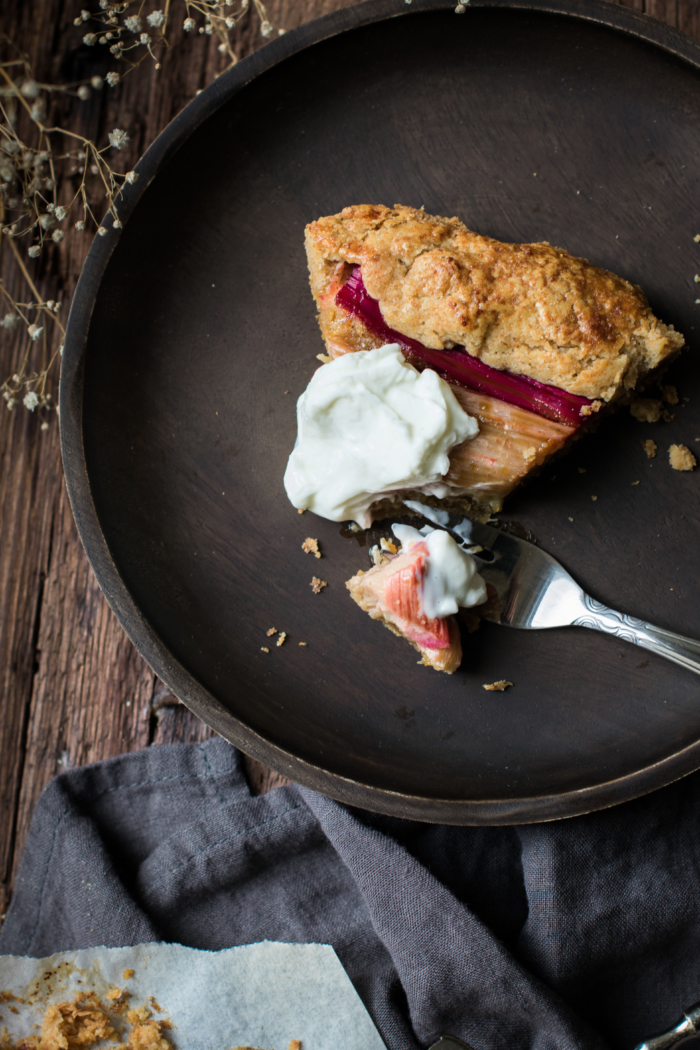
[[133, 23], [112, 79], [156, 18], [118, 138], [97, 83], [80, 225], [34, 331], [188, 24], [131, 177], [60, 213], [84, 93], [46, 221], [58, 236], [31, 400], [102, 231], [30, 89], [144, 38], [33, 251], [90, 39]]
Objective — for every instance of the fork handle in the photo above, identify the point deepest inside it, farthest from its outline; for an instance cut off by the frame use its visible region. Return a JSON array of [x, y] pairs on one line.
[[676, 647]]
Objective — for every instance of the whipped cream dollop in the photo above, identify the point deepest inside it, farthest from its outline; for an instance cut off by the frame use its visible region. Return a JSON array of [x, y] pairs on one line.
[[451, 577], [369, 424]]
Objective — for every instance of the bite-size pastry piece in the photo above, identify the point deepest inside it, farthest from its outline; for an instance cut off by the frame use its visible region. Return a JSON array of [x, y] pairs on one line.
[[416, 593]]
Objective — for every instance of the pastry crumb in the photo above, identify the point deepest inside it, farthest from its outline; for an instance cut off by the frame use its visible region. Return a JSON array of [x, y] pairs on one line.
[[670, 395], [324, 358], [281, 639], [650, 447], [127, 974], [302, 510], [646, 409], [594, 498], [635, 482], [681, 458], [115, 993], [264, 649], [303, 643], [310, 546], [571, 519], [317, 585], [295, 1044], [497, 687], [388, 545], [696, 238], [271, 631], [581, 470], [588, 410]]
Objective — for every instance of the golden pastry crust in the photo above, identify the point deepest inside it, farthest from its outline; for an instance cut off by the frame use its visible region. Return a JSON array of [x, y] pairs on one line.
[[531, 309]]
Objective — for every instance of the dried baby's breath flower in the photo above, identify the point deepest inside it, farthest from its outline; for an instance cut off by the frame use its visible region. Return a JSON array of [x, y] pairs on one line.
[[34, 331], [84, 93], [118, 138], [156, 18], [80, 225], [97, 82], [90, 39], [102, 231], [31, 401], [133, 22], [131, 177], [188, 25], [9, 321], [60, 213], [112, 79], [33, 251], [144, 38], [57, 236]]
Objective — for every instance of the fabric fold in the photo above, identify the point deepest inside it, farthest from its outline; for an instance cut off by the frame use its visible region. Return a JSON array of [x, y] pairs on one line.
[[573, 935]]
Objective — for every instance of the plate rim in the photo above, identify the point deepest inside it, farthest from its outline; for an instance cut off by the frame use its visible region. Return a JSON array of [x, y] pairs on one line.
[[517, 810]]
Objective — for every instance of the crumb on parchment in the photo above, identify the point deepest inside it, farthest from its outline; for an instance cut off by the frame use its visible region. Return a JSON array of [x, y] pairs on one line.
[[681, 458], [650, 447], [280, 640], [310, 546], [497, 687], [127, 974], [317, 585], [646, 409]]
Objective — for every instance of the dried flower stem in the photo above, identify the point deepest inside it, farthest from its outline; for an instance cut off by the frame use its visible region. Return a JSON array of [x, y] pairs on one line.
[[33, 173]]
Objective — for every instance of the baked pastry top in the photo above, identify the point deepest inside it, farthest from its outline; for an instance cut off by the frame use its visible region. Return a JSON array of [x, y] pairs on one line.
[[530, 309]]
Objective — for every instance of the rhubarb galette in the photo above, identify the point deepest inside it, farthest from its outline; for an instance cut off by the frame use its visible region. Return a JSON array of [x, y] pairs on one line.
[[532, 340]]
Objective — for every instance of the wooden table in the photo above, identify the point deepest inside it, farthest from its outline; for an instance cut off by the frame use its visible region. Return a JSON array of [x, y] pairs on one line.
[[72, 687]]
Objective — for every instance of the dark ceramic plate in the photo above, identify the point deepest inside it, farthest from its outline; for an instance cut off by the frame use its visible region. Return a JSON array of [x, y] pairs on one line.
[[193, 333]]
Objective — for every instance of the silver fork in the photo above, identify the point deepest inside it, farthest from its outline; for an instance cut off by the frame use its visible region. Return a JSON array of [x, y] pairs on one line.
[[535, 592]]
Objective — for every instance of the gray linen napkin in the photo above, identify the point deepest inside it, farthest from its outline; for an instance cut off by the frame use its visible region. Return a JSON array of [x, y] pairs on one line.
[[574, 935]]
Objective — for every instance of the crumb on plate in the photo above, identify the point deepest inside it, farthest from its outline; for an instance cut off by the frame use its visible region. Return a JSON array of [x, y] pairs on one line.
[[264, 649], [681, 458], [310, 546], [317, 585], [646, 409], [670, 395], [271, 631], [497, 687], [280, 640], [650, 447]]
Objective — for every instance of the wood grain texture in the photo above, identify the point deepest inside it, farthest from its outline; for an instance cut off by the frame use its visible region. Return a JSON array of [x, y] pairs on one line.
[[72, 687]]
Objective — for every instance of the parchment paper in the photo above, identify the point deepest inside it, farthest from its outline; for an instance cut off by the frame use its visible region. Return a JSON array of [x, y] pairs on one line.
[[260, 995]]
